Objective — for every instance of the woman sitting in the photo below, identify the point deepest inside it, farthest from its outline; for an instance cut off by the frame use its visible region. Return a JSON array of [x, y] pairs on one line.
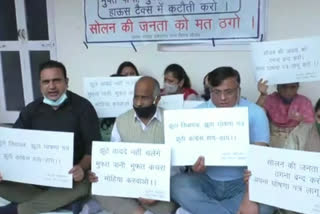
[[285, 109], [176, 81], [127, 69]]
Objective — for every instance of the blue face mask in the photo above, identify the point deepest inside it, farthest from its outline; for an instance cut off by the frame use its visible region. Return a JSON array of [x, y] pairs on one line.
[[55, 103]]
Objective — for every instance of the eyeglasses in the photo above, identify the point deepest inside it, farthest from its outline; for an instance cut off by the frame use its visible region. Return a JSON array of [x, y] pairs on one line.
[[227, 93]]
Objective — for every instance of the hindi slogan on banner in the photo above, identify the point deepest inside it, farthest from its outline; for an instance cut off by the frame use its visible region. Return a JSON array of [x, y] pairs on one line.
[[221, 135], [131, 170], [36, 157], [287, 61], [171, 20], [285, 178], [110, 96]]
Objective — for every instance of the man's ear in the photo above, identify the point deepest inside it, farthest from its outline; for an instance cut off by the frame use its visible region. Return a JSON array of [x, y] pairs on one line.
[[156, 101], [67, 82]]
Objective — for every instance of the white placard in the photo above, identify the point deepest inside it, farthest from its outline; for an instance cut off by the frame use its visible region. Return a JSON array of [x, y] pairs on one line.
[[283, 178], [110, 96], [131, 170], [171, 101], [287, 61], [219, 134], [36, 157], [190, 104]]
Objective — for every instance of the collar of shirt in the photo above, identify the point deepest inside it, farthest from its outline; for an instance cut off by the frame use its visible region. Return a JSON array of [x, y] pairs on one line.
[[156, 116]]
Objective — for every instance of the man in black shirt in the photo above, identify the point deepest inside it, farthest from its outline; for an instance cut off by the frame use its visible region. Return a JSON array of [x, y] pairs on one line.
[[58, 110]]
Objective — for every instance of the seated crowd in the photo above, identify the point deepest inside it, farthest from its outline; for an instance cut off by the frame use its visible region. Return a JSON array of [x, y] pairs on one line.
[[282, 119]]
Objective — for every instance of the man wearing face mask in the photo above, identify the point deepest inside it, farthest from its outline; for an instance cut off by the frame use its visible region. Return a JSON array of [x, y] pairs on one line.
[[58, 110], [220, 189], [285, 108], [143, 124]]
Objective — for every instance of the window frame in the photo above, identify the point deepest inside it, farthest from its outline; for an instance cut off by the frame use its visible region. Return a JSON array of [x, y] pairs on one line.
[[24, 46]]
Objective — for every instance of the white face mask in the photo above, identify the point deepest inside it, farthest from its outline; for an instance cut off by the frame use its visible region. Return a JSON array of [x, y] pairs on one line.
[[57, 102], [170, 88]]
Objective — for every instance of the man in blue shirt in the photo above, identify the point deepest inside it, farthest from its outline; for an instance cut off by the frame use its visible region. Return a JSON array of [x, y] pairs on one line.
[[218, 189]]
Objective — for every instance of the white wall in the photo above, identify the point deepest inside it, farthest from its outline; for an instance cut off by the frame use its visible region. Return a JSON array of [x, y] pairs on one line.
[[285, 19]]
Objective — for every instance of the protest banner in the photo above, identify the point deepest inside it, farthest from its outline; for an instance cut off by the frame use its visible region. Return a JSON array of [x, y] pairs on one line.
[[172, 20], [287, 61], [190, 104], [219, 134], [36, 157], [286, 179], [174, 101], [131, 170], [110, 96]]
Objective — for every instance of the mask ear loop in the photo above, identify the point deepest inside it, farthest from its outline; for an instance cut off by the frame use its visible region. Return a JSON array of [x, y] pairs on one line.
[[154, 101]]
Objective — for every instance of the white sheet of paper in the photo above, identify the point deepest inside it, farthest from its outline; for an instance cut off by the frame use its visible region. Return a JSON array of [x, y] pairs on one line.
[[131, 170], [190, 104], [287, 61], [171, 101], [283, 178], [36, 157], [110, 96], [219, 134]]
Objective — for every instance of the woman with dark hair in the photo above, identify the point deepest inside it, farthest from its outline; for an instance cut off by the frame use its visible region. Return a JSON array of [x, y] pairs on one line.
[[176, 81], [285, 108], [127, 69]]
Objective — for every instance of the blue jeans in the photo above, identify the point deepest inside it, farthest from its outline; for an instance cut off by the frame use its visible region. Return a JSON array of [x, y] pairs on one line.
[[199, 194], [266, 209]]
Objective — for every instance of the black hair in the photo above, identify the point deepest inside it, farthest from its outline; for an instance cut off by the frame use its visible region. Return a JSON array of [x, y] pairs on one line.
[[317, 106], [179, 73], [53, 64], [204, 79], [127, 64], [205, 96], [218, 75], [116, 75]]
